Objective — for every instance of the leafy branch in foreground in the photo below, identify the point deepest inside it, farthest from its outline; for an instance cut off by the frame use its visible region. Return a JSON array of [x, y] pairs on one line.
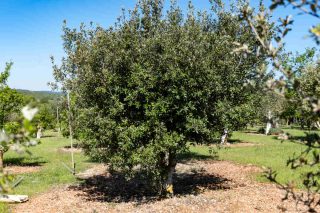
[[303, 83], [17, 140]]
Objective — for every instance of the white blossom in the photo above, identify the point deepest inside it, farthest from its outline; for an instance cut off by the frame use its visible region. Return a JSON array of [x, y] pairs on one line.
[[3, 137], [28, 112]]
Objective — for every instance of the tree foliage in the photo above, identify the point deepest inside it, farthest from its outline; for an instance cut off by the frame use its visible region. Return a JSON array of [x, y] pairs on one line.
[[156, 81], [298, 83], [14, 135], [11, 101]]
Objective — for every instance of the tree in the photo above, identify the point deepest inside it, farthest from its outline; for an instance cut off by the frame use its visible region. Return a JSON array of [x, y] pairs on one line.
[[302, 86], [156, 81], [296, 92], [45, 118], [10, 100], [271, 108]]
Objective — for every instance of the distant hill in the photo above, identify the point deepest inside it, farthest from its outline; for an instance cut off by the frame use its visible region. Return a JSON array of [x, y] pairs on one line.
[[41, 95]]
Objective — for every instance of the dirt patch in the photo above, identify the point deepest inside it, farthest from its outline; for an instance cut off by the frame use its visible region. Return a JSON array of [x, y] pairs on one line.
[[222, 187], [241, 144], [255, 133], [69, 150], [21, 169], [97, 170]]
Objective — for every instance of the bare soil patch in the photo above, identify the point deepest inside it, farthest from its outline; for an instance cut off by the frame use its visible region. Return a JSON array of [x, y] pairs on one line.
[[21, 169], [76, 148], [202, 186], [64, 149], [254, 133], [241, 144]]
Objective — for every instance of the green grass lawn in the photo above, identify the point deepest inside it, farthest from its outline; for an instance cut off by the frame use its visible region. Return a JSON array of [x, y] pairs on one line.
[[52, 172], [268, 152]]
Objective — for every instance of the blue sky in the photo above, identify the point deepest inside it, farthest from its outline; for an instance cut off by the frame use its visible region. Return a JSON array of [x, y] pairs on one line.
[[30, 32]]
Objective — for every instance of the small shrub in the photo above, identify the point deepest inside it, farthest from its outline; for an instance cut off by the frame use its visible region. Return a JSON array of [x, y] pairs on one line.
[[261, 130], [12, 127], [273, 131]]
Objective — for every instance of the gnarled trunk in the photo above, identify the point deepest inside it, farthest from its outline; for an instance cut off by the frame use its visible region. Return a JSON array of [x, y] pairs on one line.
[[167, 185]]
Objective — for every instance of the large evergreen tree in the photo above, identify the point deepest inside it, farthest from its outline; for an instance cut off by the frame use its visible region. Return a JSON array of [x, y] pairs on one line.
[[157, 80]]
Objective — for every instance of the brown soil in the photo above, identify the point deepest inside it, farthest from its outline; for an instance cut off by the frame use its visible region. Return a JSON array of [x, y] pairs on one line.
[[21, 169], [254, 133], [75, 150], [203, 186]]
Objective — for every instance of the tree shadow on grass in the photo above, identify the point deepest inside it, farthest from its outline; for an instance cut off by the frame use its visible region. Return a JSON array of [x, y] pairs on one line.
[[48, 136], [196, 156], [115, 188], [23, 161], [309, 139]]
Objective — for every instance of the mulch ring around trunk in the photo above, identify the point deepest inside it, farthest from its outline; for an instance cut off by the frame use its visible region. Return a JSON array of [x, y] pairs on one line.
[[21, 169], [76, 149], [241, 144], [200, 186]]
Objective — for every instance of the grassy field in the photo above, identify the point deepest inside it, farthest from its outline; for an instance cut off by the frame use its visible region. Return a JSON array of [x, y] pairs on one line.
[[52, 172], [267, 152]]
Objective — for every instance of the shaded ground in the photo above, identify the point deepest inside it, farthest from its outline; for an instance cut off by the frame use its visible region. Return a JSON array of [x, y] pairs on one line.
[[203, 186], [74, 150], [18, 165]]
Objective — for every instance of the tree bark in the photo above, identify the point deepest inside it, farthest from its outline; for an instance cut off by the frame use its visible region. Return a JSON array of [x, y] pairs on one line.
[[1, 161], [269, 123], [39, 133], [170, 169], [224, 137]]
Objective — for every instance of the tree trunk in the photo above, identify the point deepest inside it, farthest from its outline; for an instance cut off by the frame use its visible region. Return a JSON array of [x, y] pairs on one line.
[[269, 123], [39, 133], [58, 120], [70, 119], [170, 169], [224, 137], [1, 161]]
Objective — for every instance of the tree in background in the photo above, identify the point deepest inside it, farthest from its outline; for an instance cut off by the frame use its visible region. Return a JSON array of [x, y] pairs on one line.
[[302, 86], [11, 101], [45, 118], [270, 110], [156, 81], [18, 132]]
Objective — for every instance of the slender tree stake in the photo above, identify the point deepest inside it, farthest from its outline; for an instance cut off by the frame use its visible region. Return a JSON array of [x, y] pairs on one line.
[[71, 133]]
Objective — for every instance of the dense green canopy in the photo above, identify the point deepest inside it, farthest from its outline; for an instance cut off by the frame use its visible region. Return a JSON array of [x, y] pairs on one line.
[[157, 80]]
